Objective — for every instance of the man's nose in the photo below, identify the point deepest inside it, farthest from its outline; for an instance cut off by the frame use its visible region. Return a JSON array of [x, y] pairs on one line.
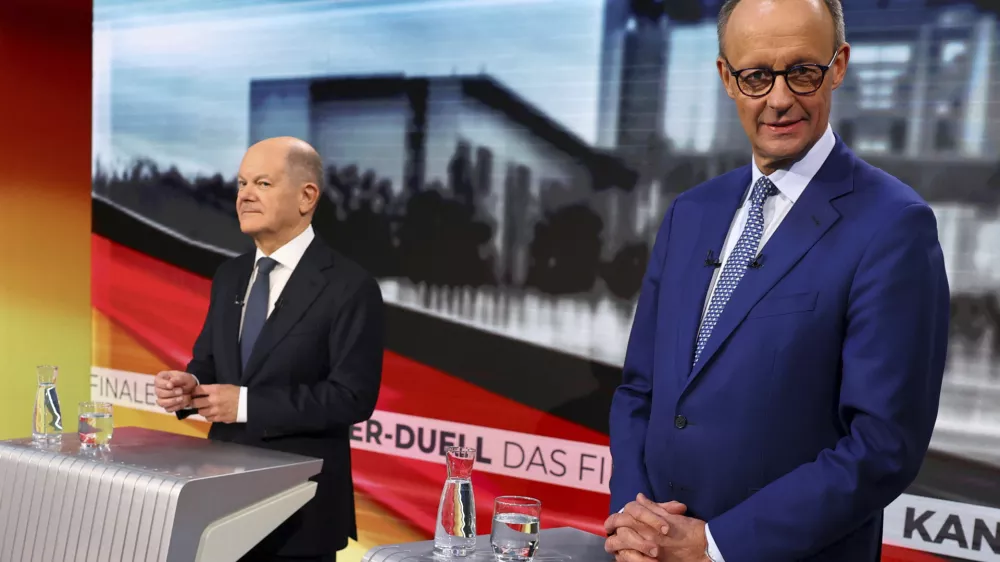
[[248, 193], [781, 98]]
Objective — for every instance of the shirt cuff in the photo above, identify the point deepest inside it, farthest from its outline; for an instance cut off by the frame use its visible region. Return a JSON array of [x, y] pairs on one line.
[[241, 411], [713, 549]]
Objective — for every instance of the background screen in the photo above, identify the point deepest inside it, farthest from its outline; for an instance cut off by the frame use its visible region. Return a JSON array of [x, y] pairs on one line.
[[502, 167]]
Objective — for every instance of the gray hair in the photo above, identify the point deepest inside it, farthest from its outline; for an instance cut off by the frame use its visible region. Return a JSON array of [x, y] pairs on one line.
[[833, 6]]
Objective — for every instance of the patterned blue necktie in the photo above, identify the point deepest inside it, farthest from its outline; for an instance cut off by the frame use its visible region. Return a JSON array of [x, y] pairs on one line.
[[742, 255], [256, 308]]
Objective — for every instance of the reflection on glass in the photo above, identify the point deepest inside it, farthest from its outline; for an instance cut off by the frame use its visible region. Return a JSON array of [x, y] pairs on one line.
[[47, 427], [516, 522], [96, 424]]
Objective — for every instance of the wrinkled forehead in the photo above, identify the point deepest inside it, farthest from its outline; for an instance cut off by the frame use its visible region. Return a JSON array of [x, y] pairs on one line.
[[779, 33]]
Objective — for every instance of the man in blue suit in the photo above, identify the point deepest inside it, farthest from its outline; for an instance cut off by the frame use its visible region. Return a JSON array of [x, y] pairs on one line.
[[782, 377]]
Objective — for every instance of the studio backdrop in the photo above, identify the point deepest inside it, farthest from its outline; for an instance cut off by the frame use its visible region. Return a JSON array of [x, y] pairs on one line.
[[502, 166]]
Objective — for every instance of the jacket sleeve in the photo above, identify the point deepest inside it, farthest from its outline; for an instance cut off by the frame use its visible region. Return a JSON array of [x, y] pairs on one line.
[[893, 362], [202, 363], [349, 392], [630, 405]]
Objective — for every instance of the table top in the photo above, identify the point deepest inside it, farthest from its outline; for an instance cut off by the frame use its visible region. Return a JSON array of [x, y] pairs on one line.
[[167, 454], [554, 545]]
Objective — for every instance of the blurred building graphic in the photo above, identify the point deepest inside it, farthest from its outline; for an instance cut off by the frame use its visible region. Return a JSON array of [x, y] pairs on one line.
[[466, 135]]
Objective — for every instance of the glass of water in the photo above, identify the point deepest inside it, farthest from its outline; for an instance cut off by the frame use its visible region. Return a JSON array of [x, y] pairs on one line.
[[515, 528], [96, 424]]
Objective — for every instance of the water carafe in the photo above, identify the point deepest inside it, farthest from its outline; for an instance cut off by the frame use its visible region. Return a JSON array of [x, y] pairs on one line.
[[47, 429], [455, 531]]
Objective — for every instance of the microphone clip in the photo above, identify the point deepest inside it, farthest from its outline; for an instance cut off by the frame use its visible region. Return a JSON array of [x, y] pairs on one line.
[[756, 263], [710, 261]]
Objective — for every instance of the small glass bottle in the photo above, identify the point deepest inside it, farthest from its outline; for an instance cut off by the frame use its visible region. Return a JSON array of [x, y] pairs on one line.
[[455, 530], [48, 426]]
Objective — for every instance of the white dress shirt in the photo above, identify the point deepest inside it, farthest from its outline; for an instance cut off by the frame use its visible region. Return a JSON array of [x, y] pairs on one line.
[[288, 257], [790, 183]]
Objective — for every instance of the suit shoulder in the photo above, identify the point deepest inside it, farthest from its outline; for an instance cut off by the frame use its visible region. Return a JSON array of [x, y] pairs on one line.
[[346, 268], [349, 273], [882, 190], [355, 283], [232, 266], [879, 201], [711, 189]]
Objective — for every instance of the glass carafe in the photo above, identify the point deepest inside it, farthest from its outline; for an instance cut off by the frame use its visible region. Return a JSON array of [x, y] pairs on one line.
[[455, 531], [47, 427]]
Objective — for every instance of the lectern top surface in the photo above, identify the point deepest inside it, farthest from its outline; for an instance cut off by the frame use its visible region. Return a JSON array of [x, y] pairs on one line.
[[168, 454]]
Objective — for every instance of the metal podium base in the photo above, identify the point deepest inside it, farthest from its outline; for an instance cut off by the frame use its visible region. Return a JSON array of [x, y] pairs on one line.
[[554, 545], [151, 497]]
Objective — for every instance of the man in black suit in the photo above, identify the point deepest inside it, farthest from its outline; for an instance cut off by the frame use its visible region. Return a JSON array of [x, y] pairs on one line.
[[290, 356]]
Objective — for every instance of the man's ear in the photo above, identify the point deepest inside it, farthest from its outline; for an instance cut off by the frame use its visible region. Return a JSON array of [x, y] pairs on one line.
[[728, 80], [839, 69], [308, 198]]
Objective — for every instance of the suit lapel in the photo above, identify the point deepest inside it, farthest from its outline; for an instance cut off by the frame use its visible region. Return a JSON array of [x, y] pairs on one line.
[[712, 222], [806, 222], [304, 285], [231, 315]]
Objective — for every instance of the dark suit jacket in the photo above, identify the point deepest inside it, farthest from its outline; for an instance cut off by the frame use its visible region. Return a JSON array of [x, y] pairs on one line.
[[315, 371], [812, 404]]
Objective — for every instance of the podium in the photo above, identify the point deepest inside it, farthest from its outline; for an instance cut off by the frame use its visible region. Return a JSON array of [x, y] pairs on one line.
[[559, 544], [152, 496]]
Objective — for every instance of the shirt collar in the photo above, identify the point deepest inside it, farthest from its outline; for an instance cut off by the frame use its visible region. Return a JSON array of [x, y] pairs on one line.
[[291, 253], [793, 181]]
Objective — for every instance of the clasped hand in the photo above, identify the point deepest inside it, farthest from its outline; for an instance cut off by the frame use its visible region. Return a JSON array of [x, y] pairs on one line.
[[645, 531], [177, 390]]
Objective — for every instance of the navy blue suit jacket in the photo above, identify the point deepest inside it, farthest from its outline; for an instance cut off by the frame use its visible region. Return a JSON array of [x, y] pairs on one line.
[[813, 402]]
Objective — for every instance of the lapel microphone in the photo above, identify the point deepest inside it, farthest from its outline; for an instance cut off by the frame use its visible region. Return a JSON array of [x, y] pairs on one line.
[[710, 261], [757, 262]]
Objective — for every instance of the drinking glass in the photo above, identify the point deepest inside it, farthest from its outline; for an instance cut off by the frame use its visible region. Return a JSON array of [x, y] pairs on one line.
[[516, 520], [96, 424]]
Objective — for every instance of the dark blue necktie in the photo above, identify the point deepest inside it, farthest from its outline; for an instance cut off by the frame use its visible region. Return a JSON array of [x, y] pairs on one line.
[[256, 308], [740, 258]]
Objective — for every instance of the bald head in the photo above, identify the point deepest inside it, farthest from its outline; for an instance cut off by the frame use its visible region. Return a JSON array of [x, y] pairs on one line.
[[280, 182], [302, 162], [832, 7]]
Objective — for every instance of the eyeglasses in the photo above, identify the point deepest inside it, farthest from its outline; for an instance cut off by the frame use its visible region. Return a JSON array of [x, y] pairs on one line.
[[802, 79]]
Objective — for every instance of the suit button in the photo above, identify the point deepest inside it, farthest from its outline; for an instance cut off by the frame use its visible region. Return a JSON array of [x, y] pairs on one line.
[[680, 422]]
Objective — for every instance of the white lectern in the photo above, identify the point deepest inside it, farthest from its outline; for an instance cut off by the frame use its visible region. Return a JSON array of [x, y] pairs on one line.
[[152, 496]]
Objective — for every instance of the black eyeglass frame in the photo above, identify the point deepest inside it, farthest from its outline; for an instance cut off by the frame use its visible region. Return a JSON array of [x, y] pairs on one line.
[[783, 73]]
